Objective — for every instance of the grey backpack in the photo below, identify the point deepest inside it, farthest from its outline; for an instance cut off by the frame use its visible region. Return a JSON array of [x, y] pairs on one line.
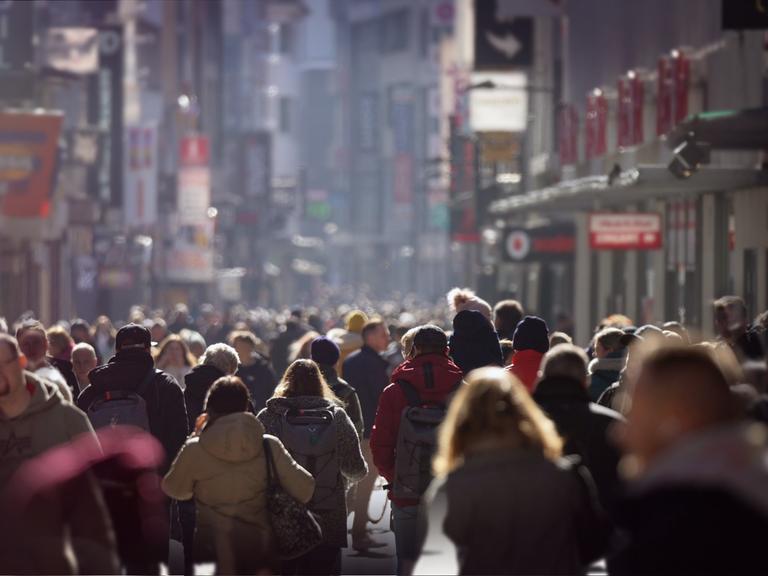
[[417, 441], [122, 407], [310, 437]]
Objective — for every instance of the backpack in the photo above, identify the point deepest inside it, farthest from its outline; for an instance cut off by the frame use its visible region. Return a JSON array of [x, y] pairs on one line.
[[122, 407], [417, 440], [310, 437]]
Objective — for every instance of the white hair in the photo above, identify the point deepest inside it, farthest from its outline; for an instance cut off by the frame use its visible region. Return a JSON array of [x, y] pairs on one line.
[[221, 356], [565, 361], [84, 346]]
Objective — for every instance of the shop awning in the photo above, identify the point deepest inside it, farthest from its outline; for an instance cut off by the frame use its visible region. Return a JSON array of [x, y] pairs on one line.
[[633, 185]]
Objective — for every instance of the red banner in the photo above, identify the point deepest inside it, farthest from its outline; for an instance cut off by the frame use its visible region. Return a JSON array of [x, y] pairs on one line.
[[28, 154], [596, 124], [682, 83], [628, 231], [194, 151], [638, 109], [630, 113], [664, 97]]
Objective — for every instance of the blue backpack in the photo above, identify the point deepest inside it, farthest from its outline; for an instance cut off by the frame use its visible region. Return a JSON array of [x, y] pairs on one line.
[[122, 407]]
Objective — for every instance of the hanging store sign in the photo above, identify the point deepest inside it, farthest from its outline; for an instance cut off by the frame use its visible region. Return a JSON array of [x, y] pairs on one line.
[[546, 243], [28, 158], [596, 124], [502, 106], [141, 176], [502, 41], [628, 231]]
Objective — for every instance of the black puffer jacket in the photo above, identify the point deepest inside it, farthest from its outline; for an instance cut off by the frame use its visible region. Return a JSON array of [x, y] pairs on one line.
[[346, 394], [197, 384], [366, 371], [585, 427], [260, 380], [126, 370]]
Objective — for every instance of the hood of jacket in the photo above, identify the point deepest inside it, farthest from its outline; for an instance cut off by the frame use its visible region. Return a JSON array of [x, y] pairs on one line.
[[282, 405], [733, 458], [199, 380], [433, 375], [125, 370], [608, 364], [233, 438], [561, 390], [44, 395], [474, 342]]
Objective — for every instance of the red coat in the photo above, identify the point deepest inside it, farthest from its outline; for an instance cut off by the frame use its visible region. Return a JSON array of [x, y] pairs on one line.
[[525, 365], [392, 402]]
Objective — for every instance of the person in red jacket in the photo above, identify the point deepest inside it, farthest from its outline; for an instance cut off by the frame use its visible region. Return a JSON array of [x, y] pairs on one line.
[[530, 343], [435, 377]]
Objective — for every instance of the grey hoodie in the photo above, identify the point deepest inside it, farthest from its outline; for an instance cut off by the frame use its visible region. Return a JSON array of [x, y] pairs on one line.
[[48, 421]]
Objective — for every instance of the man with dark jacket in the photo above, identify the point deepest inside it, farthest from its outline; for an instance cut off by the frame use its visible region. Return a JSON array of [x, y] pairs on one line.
[[434, 377], [255, 370], [697, 499], [732, 327], [585, 426], [326, 354], [366, 372], [127, 370]]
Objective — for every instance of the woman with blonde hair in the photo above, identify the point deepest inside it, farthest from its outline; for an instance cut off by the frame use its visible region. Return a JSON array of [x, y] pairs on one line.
[[309, 420], [173, 356], [504, 501]]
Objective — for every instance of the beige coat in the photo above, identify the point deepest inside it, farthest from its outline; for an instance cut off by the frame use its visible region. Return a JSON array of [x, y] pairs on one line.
[[224, 470]]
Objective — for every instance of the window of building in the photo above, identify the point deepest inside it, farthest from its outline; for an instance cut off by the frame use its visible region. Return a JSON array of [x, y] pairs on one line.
[[394, 31], [285, 39]]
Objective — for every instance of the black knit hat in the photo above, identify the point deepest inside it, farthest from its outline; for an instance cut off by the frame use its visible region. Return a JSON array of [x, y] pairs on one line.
[[531, 334], [324, 351]]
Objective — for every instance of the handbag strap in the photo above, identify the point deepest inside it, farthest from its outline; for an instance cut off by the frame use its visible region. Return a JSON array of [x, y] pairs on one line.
[[271, 472]]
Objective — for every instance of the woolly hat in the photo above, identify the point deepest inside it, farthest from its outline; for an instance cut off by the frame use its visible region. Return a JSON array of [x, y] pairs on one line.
[[324, 351], [531, 334], [355, 320], [474, 342], [460, 299]]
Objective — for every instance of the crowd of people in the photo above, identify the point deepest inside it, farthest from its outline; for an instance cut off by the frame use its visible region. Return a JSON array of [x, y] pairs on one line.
[[250, 436]]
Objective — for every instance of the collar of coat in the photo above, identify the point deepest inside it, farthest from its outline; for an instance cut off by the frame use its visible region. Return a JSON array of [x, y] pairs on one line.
[[561, 388]]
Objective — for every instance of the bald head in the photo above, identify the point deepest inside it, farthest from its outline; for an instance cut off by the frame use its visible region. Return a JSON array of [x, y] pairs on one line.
[[83, 361], [679, 390]]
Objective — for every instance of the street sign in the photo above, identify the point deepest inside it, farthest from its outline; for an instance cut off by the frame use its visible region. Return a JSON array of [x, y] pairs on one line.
[[627, 231], [546, 243], [502, 42]]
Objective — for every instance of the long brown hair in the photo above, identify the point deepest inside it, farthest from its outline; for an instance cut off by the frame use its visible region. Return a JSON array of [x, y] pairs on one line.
[[493, 405], [303, 378], [189, 359]]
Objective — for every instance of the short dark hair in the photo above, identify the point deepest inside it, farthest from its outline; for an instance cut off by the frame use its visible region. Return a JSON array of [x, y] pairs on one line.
[[430, 339], [227, 396], [731, 302], [371, 326], [506, 316]]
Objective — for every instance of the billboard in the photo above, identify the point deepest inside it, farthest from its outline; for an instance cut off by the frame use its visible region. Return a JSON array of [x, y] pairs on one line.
[[28, 159], [547, 243], [503, 106], [628, 231]]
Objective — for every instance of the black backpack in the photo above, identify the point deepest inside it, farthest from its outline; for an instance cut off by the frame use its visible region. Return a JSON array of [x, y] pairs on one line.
[[310, 436], [122, 407], [417, 439]]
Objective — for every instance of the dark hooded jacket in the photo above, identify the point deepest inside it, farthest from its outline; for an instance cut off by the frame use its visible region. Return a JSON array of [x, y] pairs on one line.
[[366, 371], [474, 342], [126, 370], [346, 394], [65, 367], [435, 377], [197, 383], [260, 380], [585, 427]]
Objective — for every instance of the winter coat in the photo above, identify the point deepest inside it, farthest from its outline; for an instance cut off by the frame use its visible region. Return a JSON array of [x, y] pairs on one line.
[[615, 396], [260, 380], [198, 382], [65, 367], [224, 470], [347, 395], [48, 421], [352, 466], [435, 377], [474, 342], [603, 372], [348, 342], [701, 508], [366, 371], [50, 374], [585, 427], [512, 511], [525, 366], [167, 414]]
